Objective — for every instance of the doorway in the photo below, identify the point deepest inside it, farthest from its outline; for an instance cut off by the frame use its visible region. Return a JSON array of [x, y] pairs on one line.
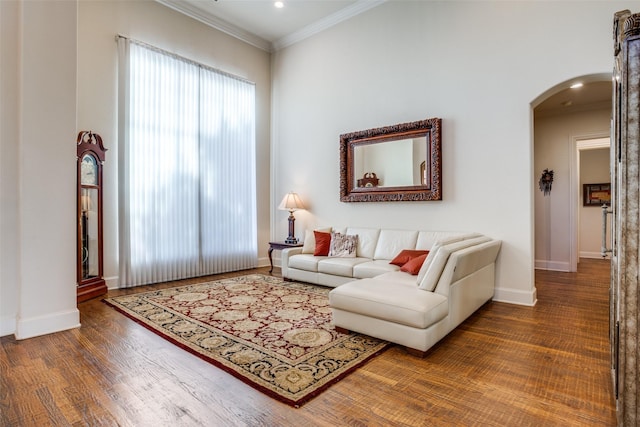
[[575, 111], [592, 172]]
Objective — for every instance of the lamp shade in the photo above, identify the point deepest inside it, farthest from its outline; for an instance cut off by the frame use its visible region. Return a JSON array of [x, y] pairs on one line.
[[291, 202]]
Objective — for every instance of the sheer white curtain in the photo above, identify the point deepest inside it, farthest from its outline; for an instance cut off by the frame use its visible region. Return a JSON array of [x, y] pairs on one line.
[[186, 168]]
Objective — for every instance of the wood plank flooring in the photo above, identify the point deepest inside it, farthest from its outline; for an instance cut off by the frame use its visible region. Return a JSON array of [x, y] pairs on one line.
[[507, 365]]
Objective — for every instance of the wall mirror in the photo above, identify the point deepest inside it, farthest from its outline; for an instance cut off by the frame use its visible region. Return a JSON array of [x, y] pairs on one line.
[[391, 164]]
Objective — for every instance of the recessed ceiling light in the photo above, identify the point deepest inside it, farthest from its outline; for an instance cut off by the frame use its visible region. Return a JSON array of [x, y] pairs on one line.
[[279, 4], [576, 85]]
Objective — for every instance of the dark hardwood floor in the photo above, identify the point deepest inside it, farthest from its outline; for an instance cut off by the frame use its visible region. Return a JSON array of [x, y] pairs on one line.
[[507, 365]]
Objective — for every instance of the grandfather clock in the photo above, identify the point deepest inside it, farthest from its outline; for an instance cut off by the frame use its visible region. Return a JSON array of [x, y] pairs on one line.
[[89, 212]]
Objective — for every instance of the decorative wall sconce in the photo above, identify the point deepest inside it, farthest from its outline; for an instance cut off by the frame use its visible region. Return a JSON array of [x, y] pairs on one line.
[[545, 181], [291, 202]]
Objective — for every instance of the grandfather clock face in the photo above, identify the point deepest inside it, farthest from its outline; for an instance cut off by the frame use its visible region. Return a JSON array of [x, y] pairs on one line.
[[89, 170]]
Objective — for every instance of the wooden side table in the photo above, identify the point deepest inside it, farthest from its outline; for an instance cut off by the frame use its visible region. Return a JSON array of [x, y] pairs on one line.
[[279, 246]]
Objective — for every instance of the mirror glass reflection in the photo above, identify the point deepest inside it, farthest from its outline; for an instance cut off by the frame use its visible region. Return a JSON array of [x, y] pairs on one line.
[[397, 163]]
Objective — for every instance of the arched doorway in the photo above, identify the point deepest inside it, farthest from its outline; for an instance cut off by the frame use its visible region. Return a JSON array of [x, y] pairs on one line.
[[564, 115]]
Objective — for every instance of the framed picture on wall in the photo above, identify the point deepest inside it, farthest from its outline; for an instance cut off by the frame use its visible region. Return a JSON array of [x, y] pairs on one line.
[[596, 194]]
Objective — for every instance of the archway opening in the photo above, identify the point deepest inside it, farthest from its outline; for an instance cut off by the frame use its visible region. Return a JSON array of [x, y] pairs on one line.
[[562, 116]]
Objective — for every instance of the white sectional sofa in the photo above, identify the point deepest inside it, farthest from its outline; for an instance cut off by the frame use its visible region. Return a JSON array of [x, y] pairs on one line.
[[374, 297]]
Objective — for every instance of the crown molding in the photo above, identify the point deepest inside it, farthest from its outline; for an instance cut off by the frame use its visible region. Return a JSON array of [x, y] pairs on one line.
[[226, 27], [329, 21], [217, 23]]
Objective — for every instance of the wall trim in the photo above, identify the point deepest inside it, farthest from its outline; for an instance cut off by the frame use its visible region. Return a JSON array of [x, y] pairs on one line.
[[42, 325], [516, 296], [541, 264], [233, 30], [593, 255], [348, 12], [113, 282], [217, 23], [7, 325]]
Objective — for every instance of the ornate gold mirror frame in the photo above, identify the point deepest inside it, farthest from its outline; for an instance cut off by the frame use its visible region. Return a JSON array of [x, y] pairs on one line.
[[407, 159]]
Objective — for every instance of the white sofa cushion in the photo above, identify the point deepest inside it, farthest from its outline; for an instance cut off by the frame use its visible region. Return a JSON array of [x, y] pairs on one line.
[[367, 240], [392, 242], [427, 239], [397, 276], [434, 269], [397, 302], [443, 238], [373, 268], [306, 262], [339, 266]]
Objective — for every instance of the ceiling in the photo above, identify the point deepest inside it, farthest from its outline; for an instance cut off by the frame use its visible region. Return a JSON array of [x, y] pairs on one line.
[[261, 24], [590, 96]]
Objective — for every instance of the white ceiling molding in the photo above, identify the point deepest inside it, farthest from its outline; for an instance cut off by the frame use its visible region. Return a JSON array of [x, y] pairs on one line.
[[348, 12], [218, 24], [213, 21]]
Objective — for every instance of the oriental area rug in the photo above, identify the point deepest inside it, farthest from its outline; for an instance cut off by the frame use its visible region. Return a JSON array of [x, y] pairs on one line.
[[274, 335]]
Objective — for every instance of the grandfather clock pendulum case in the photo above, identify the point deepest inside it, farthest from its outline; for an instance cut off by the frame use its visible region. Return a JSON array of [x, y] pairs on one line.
[[91, 155]]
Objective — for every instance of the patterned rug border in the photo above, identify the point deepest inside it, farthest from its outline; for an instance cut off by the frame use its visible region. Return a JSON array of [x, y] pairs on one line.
[[294, 403]]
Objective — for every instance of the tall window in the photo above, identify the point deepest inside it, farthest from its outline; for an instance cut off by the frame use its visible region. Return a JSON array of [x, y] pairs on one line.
[[186, 168]]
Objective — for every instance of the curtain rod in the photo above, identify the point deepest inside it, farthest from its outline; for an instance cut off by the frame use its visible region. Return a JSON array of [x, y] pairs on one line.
[[182, 58]]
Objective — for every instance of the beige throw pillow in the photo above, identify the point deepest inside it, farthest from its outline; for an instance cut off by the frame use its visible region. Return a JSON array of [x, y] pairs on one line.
[[343, 245]]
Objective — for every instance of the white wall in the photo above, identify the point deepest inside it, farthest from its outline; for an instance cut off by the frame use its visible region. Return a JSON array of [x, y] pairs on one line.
[[153, 23], [555, 138], [594, 169], [9, 71], [59, 76], [478, 66], [38, 280]]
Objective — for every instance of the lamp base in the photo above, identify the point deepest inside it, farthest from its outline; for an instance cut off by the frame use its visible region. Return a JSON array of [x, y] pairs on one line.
[[291, 240]]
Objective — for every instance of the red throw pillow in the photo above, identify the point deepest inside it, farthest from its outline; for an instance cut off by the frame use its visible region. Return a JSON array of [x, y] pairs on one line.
[[405, 256], [413, 267], [323, 242]]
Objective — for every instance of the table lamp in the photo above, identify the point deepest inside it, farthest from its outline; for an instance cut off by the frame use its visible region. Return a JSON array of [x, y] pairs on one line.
[[291, 202]]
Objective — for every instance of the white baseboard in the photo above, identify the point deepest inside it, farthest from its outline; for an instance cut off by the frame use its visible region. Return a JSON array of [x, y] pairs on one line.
[[593, 255], [7, 325], [516, 296], [42, 325], [264, 262], [552, 265], [112, 282]]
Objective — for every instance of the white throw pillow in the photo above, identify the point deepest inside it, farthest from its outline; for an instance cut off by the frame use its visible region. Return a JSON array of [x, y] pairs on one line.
[[309, 244]]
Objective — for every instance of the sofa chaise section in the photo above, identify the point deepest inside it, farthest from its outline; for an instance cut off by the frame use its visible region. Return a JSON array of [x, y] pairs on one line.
[[395, 308]]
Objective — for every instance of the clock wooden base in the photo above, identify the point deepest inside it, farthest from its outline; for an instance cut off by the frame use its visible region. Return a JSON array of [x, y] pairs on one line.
[[87, 291]]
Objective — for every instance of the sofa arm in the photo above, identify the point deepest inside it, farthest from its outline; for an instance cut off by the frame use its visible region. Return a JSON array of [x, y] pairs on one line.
[[284, 259]]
